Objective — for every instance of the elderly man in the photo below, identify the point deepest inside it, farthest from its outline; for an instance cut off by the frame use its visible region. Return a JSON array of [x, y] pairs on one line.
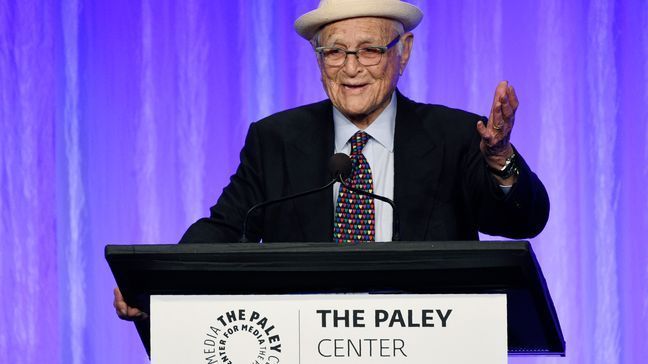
[[451, 173]]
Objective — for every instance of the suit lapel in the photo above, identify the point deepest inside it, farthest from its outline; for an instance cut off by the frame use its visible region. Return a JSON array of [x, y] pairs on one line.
[[307, 155], [418, 156]]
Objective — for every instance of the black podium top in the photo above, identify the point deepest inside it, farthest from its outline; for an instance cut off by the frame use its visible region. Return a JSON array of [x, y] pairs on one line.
[[386, 268]]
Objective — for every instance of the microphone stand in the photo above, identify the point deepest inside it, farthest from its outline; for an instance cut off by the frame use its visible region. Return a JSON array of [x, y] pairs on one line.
[[339, 178]]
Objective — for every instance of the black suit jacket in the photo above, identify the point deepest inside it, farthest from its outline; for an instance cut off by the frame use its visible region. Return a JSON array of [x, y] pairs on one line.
[[442, 187]]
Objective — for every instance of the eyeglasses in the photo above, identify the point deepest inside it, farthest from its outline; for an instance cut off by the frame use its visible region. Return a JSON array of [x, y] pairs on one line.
[[368, 56]]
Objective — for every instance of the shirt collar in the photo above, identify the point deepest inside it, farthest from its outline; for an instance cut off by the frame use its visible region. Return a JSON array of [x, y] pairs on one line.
[[381, 130]]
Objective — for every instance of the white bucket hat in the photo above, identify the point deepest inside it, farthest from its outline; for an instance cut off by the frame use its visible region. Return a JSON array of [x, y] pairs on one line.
[[330, 11]]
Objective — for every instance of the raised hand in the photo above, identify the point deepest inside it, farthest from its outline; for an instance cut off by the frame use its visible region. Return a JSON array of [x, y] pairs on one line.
[[495, 143]]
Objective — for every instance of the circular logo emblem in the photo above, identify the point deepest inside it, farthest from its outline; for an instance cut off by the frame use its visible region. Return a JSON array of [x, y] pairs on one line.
[[242, 336]]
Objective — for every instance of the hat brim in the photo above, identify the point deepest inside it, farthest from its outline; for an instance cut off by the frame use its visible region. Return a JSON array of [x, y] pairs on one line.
[[308, 24]]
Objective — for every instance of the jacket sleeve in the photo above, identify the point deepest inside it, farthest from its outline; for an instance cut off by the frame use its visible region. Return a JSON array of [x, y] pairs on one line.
[[244, 190], [521, 213]]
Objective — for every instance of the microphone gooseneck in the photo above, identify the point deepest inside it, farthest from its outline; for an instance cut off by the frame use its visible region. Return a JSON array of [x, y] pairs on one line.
[[340, 167], [244, 238]]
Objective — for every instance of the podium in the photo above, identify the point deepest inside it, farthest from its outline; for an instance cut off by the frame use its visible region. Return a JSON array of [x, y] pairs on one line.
[[393, 268]]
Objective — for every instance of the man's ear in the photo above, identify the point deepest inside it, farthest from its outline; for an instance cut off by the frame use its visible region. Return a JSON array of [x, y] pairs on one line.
[[408, 42]]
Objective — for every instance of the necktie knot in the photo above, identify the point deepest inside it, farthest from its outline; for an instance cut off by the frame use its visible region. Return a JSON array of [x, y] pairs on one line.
[[358, 142]]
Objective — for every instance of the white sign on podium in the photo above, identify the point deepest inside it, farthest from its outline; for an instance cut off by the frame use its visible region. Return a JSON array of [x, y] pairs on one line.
[[329, 329]]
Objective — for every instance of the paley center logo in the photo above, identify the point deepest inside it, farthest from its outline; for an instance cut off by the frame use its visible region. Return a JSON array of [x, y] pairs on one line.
[[241, 337]]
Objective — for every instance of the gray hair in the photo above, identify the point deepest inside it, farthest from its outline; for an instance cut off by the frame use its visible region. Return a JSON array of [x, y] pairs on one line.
[[398, 27]]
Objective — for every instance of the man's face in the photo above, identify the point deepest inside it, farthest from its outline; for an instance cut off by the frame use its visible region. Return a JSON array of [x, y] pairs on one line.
[[361, 92]]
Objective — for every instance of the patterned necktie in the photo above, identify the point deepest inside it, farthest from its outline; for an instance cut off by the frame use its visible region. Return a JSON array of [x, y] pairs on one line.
[[354, 213]]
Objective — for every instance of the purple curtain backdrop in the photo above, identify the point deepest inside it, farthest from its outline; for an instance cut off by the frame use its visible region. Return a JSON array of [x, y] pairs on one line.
[[121, 121]]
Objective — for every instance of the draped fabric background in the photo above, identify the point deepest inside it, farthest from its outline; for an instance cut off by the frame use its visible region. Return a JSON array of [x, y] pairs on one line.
[[121, 121]]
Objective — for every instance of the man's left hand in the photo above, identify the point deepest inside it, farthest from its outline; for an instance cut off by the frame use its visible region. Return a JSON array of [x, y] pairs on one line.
[[495, 136]]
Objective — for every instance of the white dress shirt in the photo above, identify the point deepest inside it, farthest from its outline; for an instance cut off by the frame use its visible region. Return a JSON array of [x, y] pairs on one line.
[[379, 152]]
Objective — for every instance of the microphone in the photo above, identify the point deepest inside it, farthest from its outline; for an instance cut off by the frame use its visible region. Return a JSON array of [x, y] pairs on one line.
[[340, 169], [343, 160], [339, 165]]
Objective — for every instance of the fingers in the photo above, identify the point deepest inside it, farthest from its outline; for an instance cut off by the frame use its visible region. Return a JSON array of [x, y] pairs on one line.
[[118, 301], [496, 134], [488, 135], [507, 111], [510, 107], [500, 94], [500, 108], [498, 117], [124, 311], [505, 104], [117, 294], [513, 99], [493, 141], [134, 314], [483, 130], [500, 90], [120, 305]]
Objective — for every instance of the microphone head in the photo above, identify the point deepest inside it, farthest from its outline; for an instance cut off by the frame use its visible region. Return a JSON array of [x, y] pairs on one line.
[[340, 165]]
